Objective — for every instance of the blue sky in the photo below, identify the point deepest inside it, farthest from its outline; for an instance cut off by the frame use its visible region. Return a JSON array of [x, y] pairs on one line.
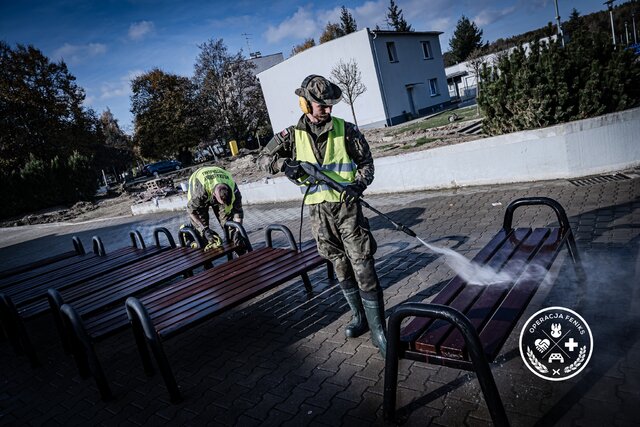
[[106, 43]]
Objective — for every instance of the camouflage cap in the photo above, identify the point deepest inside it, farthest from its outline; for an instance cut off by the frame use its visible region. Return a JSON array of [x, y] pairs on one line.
[[318, 89]]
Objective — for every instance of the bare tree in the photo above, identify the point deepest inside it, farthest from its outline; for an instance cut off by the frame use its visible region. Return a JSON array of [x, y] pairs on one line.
[[349, 78], [476, 60]]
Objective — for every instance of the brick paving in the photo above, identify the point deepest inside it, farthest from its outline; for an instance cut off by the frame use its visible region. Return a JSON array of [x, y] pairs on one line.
[[283, 359]]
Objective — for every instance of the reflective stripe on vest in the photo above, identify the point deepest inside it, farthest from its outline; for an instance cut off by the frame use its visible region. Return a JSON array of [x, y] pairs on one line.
[[337, 163], [209, 177]]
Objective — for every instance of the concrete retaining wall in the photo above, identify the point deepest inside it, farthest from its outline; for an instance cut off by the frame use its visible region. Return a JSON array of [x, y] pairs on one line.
[[585, 147]]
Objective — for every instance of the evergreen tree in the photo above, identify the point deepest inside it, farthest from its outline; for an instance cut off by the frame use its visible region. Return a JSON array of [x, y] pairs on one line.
[[347, 22], [549, 84], [395, 18], [466, 38]]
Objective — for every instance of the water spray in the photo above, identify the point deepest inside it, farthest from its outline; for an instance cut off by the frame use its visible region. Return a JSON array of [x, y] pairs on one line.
[[471, 272]]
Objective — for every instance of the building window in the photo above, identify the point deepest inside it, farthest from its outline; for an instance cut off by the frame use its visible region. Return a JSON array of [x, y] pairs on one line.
[[391, 50], [433, 87], [426, 50]]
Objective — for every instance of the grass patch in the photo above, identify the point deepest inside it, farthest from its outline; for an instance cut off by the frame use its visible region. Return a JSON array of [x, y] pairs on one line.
[[420, 141], [442, 119], [424, 140]]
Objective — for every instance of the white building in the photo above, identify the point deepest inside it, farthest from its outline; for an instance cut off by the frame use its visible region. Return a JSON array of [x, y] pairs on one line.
[[403, 73], [263, 63]]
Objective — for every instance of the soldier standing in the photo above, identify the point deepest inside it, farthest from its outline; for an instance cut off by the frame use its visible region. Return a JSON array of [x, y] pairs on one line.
[[338, 225]]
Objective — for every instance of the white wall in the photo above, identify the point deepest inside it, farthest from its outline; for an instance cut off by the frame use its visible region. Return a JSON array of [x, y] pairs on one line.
[[586, 147], [280, 81]]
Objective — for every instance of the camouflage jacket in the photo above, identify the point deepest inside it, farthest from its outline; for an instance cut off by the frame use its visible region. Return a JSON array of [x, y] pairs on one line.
[[282, 146]]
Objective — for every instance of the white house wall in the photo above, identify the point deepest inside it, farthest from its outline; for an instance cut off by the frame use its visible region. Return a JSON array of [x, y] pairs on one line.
[[280, 81], [410, 68]]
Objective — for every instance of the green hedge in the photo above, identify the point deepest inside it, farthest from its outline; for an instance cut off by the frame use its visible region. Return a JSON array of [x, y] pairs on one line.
[[552, 84], [40, 184]]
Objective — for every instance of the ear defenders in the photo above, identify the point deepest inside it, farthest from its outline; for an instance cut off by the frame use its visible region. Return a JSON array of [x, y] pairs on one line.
[[305, 105]]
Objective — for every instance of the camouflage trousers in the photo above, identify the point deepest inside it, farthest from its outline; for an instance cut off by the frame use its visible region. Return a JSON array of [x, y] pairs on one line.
[[344, 238]]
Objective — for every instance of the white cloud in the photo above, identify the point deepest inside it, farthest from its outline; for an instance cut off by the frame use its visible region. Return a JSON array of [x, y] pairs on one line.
[[138, 30], [119, 88], [370, 14], [74, 54], [489, 16], [300, 26]]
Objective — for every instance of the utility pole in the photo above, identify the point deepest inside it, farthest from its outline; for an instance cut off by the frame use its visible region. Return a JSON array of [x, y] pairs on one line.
[[558, 24], [609, 4], [247, 38], [633, 20], [626, 31]]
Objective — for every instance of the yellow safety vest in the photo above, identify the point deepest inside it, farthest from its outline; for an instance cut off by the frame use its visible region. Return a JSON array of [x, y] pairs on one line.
[[336, 164], [209, 177]]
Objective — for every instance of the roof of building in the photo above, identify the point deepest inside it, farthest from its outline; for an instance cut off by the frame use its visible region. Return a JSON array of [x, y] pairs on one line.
[[410, 33]]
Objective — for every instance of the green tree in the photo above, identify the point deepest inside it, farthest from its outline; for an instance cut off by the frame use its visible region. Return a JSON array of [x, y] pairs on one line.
[[41, 108], [395, 18], [331, 31], [347, 21], [228, 93], [466, 38], [307, 44], [165, 114], [348, 77], [549, 84]]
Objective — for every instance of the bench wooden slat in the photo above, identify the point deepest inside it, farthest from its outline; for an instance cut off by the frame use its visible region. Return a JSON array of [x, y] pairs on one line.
[[115, 286], [431, 338], [49, 261], [190, 288], [479, 314], [199, 291], [497, 330], [39, 289], [416, 325], [104, 324], [66, 267], [240, 290]]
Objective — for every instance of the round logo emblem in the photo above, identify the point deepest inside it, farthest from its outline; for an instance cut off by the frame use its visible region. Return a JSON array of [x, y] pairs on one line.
[[556, 343]]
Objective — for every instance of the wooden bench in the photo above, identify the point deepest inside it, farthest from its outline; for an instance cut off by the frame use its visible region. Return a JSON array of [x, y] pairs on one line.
[[178, 307], [52, 261], [114, 288], [466, 325], [29, 289]]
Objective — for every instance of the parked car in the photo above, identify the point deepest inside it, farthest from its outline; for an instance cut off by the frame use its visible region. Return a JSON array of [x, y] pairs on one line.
[[154, 169]]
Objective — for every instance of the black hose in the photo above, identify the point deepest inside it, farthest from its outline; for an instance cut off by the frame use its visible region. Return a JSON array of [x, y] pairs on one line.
[[302, 217]]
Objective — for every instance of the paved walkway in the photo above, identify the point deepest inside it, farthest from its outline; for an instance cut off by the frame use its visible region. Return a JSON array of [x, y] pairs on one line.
[[283, 359]]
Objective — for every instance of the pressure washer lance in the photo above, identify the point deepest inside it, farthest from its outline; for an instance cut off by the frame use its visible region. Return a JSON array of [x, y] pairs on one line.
[[316, 177]]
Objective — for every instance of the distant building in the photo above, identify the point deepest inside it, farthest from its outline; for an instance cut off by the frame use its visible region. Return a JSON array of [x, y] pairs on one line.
[[263, 63], [402, 71], [461, 80]]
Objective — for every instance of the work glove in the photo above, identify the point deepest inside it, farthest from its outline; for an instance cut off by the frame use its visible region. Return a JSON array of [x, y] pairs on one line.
[[292, 169], [213, 240], [352, 192]]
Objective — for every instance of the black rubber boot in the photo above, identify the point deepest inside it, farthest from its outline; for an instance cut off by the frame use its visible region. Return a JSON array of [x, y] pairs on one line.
[[358, 325], [373, 304]]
